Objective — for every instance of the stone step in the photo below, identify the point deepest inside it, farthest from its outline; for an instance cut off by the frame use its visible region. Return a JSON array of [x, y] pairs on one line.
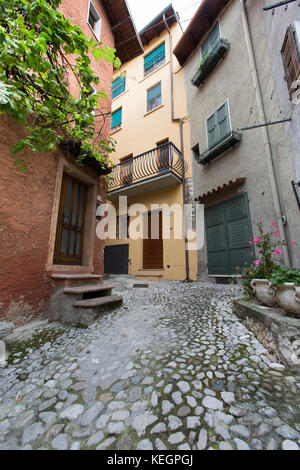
[[98, 302], [149, 277], [69, 280], [6, 329], [81, 290]]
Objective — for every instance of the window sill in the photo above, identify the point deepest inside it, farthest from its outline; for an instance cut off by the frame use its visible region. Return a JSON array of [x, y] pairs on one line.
[[154, 71], [121, 94], [152, 110], [117, 129], [231, 140]]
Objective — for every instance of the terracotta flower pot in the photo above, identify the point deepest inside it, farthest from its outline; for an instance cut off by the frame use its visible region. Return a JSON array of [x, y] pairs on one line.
[[264, 291], [288, 297]]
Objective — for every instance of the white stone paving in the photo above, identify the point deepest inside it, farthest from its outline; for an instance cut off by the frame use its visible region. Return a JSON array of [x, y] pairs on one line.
[[172, 368]]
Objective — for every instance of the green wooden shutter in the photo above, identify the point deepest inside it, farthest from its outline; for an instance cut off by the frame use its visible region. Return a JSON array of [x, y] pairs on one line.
[[211, 41], [223, 121], [212, 130], [228, 229], [217, 255], [116, 118], [118, 87], [155, 56], [238, 232]]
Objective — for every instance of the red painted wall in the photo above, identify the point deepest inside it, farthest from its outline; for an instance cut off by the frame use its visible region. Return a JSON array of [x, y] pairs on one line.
[[26, 200]]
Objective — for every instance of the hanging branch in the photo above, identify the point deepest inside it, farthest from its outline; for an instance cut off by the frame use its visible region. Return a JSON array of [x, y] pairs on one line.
[[36, 43]]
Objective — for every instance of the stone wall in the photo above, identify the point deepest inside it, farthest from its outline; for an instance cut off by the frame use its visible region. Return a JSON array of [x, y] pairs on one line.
[[279, 333]]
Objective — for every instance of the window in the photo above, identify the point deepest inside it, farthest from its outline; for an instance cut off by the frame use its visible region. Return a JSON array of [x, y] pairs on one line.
[[196, 152], [155, 59], [154, 97], [118, 87], [116, 119], [94, 20], [218, 126], [291, 59], [211, 41]]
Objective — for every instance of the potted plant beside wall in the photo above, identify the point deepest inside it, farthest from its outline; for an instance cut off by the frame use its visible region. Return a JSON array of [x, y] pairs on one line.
[[287, 284], [268, 245]]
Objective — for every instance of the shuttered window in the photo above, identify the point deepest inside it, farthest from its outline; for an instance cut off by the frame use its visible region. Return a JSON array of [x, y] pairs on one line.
[[228, 229], [290, 58], [118, 87], [218, 126], [211, 41], [155, 59], [116, 118], [154, 97]]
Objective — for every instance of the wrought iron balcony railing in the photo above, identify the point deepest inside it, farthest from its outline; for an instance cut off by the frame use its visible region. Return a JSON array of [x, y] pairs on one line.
[[212, 59], [160, 161], [228, 141]]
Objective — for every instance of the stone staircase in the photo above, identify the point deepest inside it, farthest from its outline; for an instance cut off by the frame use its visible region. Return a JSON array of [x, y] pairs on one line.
[[78, 299]]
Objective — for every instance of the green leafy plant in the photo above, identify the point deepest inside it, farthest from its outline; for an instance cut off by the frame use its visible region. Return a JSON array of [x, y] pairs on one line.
[[203, 60], [39, 51], [269, 246], [282, 274]]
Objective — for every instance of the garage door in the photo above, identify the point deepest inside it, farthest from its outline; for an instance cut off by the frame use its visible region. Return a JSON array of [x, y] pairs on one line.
[[116, 259], [228, 229]]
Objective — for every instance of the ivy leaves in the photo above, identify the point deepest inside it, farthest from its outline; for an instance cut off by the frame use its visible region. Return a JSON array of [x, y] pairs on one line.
[[39, 51]]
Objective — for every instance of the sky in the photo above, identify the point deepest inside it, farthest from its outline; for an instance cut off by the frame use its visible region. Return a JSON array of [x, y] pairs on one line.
[[143, 11]]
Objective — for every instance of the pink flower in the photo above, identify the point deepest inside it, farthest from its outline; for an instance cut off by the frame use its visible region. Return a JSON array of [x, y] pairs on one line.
[[260, 222], [256, 241], [277, 251], [293, 242], [250, 243], [263, 240], [276, 234], [274, 224], [257, 262]]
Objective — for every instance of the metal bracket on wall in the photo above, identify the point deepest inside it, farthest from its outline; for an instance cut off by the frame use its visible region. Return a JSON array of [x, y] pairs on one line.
[[279, 4], [296, 188]]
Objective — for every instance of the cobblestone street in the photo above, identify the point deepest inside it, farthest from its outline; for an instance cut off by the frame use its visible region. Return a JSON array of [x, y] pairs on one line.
[[172, 368]]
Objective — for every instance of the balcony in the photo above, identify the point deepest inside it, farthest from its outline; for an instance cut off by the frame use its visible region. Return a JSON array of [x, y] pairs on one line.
[[210, 61], [227, 142], [151, 171]]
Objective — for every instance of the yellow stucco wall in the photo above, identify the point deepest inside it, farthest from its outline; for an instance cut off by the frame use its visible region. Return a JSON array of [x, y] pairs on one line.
[[140, 132]]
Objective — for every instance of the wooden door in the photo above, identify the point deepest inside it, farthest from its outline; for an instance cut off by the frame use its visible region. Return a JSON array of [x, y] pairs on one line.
[[153, 247], [228, 229], [70, 225], [116, 259]]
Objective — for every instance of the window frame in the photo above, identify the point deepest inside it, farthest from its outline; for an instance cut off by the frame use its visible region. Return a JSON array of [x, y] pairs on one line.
[[208, 117], [149, 89], [207, 36], [155, 66], [290, 37], [124, 81], [98, 20]]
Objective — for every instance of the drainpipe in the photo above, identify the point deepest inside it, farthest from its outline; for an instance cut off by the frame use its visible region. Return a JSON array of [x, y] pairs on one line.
[[180, 122], [266, 138]]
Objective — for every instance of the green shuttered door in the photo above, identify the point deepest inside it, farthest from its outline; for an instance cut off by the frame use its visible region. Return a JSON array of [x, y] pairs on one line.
[[228, 229]]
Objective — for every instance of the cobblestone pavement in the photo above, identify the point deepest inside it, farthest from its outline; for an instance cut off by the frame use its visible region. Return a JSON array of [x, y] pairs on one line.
[[171, 369]]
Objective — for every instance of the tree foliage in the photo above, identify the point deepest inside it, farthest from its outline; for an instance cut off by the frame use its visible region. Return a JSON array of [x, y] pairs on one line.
[[39, 50]]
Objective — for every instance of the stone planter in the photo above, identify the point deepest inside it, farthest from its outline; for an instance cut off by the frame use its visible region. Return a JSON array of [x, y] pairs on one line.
[[264, 291], [288, 297]]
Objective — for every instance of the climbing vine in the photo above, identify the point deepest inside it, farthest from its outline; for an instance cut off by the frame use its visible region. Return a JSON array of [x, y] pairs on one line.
[[39, 50]]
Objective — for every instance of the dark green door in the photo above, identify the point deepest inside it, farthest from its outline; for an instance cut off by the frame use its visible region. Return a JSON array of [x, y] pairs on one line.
[[228, 229]]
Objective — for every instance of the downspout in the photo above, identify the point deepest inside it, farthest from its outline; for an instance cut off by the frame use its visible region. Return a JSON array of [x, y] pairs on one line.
[[180, 122], [265, 133]]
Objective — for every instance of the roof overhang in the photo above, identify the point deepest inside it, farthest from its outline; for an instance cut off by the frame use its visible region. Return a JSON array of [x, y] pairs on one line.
[[127, 40], [206, 197], [157, 25], [201, 23]]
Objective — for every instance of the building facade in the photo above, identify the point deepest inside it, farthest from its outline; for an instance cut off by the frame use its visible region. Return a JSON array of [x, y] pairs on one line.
[[48, 214], [152, 160], [242, 173]]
